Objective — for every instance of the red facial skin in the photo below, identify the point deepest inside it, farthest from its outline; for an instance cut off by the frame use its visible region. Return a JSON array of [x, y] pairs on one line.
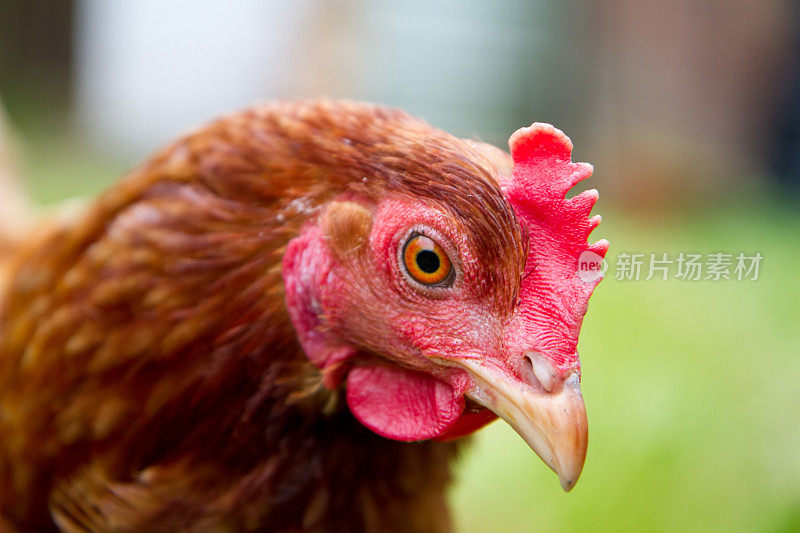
[[415, 398], [396, 342]]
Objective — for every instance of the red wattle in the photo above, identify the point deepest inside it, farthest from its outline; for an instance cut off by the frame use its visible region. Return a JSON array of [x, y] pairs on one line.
[[402, 404], [468, 423]]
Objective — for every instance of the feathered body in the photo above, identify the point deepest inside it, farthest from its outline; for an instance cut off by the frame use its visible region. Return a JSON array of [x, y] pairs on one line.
[[150, 376]]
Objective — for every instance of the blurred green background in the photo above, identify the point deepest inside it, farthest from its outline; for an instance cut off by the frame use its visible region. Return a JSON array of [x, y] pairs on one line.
[[690, 112]]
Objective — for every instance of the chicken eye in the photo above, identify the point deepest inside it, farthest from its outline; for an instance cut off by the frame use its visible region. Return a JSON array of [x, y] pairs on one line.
[[426, 261]]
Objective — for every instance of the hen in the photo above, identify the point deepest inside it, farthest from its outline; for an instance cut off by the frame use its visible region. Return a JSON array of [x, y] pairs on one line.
[[250, 329]]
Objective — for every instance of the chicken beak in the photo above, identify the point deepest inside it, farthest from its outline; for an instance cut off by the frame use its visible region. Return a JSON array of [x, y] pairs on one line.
[[552, 423]]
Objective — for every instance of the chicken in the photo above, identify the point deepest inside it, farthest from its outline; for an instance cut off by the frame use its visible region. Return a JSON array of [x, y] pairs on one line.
[[284, 320]]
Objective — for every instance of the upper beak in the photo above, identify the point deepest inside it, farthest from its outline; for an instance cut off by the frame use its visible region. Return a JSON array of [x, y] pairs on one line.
[[552, 423]]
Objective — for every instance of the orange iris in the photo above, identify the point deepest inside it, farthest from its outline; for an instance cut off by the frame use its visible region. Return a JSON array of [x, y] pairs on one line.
[[426, 261]]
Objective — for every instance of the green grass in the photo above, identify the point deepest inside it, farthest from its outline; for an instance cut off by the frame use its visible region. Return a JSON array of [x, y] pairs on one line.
[[65, 169], [693, 395], [55, 162]]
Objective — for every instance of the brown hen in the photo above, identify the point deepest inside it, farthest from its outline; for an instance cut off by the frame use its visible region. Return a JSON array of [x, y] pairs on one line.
[[157, 374]]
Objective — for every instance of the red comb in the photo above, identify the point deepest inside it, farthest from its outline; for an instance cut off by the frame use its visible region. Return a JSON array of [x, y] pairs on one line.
[[553, 297]]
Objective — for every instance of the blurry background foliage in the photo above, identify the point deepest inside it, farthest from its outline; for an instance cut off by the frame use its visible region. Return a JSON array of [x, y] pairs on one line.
[[690, 112]]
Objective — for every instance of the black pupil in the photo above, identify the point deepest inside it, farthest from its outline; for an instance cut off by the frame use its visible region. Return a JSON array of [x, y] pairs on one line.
[[428, 261]]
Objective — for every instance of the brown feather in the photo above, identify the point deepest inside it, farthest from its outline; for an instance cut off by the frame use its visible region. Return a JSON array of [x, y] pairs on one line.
[[346, 227]]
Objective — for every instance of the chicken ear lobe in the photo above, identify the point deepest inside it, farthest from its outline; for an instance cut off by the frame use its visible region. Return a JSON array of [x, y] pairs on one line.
[[346, 227]]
